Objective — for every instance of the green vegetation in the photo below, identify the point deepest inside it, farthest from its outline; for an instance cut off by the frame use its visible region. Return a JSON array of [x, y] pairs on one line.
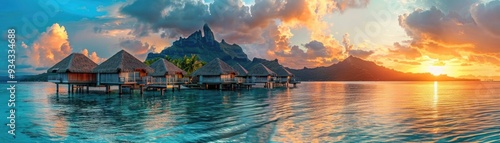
[[187, 63]]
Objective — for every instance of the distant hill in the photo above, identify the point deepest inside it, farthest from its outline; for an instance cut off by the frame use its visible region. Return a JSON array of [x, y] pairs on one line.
[[356, 69], [40, 77]]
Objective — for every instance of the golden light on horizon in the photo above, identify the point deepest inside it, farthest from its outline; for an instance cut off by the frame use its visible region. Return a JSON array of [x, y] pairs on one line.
[[436, 70]]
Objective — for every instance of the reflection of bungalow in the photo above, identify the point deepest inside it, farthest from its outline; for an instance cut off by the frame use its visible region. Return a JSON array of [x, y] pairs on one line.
[[76, 69], [215, 72], [121, 69], [241, 73], [261, 74], [166, 73]]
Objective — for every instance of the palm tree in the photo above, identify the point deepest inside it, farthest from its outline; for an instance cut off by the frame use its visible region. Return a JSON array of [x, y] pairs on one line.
[[187, 63]]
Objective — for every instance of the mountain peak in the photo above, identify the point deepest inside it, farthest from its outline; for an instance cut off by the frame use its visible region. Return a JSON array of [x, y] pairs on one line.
[[205, 26], [203, 44], [208, 34], [351, 59]]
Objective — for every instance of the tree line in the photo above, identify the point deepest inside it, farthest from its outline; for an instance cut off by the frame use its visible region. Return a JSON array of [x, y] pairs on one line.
[[186, 63]]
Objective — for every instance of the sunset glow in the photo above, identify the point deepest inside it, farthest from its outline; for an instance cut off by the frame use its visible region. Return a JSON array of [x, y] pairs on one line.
[[436, 70], [408, 36]]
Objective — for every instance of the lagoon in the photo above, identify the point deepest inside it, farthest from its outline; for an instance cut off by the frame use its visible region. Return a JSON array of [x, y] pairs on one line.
[[312, 112]]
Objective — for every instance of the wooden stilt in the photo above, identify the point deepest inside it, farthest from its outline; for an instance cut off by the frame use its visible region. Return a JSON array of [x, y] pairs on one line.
[[87, 89], [69, 89], [57, 88], [120, 89], [141, 89]]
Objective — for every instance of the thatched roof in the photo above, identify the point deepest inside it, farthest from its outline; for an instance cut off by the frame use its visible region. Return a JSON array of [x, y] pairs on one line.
[[281, 71], [75, 63], [122, 62], [163, 67], [214, 67], [261, 70], [240, 70]]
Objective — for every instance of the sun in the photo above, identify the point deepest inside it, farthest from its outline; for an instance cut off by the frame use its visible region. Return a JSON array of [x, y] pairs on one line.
[[436, 70]]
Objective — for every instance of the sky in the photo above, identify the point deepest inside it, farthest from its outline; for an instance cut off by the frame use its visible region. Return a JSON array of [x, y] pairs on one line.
[[456, 38]]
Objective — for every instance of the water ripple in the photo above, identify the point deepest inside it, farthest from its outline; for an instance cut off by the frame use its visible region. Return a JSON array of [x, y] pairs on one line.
[[313, 112]]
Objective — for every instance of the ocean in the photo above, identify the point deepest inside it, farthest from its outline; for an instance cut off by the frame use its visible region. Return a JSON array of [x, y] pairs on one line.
[[312, 112]]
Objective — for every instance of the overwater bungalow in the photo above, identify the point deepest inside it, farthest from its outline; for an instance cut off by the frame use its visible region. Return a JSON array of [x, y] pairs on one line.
[[166, 73], [216, 73], [122, 69], [75, 69], [242, 75], [261, 74], [284, 77]]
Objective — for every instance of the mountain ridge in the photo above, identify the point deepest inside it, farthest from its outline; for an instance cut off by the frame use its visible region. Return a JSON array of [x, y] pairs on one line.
[[356, 69]]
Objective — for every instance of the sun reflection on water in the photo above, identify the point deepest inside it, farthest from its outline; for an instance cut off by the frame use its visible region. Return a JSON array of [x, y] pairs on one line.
[[436, 96]]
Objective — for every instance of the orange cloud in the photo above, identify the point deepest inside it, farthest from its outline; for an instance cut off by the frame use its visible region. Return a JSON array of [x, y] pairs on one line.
[[92, 56], [465, 37], [324, 49], [51, 47], [447, 36]]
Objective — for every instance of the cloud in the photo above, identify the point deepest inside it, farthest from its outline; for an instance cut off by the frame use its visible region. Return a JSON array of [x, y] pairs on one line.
[[342, 5], [265, 25], [136, 47], [354, 52], [439, 63], [407, 62], [465, 64], [347, 43], [407, 51], [360, 53], [483, 15], [50, 47], [316, 49], [454, 31], [92, 56]]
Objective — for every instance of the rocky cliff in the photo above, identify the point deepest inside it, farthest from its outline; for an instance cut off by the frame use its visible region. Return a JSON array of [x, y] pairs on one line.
[[205, 46]]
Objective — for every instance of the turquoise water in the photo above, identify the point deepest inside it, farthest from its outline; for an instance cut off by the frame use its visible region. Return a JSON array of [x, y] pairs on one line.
[[313, 112]]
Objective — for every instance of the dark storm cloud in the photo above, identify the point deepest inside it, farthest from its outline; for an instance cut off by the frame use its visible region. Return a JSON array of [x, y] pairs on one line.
[[136, 47], [181, 17], [360, 53]]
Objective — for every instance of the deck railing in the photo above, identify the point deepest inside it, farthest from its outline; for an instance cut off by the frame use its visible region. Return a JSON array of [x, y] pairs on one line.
[[127, 79], [260, 80], [162, 80], [289, 80], [219, 80], [241, 80], [53, 77]]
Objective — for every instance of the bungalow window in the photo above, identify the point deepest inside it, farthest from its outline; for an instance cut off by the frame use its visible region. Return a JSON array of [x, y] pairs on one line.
[[133, 76]]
